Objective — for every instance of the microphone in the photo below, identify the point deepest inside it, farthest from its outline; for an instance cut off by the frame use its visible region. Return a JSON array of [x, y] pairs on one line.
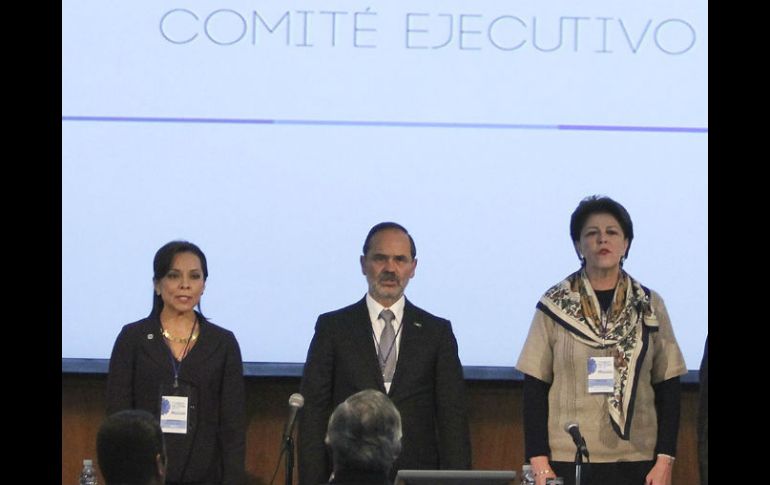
[[574, 431], [296, 401]]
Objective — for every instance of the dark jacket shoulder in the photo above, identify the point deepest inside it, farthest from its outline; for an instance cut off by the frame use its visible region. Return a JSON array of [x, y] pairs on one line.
[[423, 315], [359, 309], [152, 323]]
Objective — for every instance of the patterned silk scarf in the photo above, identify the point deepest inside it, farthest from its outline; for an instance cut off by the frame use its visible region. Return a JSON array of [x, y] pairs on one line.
[[573, 304]]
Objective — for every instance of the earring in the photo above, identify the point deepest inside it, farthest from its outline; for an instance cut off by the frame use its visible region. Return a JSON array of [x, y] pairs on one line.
[[622, 260]]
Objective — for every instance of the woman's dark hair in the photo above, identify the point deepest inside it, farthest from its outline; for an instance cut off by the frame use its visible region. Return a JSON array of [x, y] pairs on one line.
[[162, 264], [600, 204]]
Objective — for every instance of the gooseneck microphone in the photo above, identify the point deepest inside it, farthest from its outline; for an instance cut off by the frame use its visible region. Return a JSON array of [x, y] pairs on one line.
[[296, 401], [574, 431]]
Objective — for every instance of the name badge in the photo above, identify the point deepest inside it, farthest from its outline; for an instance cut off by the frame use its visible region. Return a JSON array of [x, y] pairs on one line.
[[173, 414], [601, 375]]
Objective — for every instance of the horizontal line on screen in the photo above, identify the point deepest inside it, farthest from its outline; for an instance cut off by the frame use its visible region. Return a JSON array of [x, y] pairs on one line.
[[391, 124]]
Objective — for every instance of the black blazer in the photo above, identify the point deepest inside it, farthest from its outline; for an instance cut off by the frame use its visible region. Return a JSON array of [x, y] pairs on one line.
[[213, 450], [428, 389]]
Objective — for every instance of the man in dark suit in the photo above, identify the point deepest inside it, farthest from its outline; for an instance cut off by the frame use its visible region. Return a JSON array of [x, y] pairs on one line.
[[415, 363]]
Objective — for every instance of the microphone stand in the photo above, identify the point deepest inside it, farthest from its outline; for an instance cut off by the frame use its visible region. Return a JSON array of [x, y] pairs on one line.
[[289, 446], [579, 462]]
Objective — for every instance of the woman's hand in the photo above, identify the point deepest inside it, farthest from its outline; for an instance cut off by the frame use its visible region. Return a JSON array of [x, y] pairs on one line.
[[541, 468], [661, 472]]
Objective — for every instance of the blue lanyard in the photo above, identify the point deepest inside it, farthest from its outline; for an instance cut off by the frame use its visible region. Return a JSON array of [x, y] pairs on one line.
[[174, 362]]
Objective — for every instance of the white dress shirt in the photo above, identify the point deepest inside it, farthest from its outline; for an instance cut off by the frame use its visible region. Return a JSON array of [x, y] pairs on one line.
[[378, 323]]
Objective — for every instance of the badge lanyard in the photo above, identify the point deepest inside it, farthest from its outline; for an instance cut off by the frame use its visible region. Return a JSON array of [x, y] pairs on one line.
[[393, 344], [177, 365]]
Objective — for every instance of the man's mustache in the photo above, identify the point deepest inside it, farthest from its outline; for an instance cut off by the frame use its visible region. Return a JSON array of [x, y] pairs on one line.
[[388, 277]]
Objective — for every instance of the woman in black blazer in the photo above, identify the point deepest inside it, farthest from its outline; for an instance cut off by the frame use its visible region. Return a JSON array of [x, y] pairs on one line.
[[186, 371]]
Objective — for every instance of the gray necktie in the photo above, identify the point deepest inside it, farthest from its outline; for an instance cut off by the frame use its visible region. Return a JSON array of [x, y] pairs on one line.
[[387, 350]]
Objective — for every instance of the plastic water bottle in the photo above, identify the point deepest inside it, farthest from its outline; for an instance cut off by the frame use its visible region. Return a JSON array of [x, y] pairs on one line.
[[88, 475], [527, 477]]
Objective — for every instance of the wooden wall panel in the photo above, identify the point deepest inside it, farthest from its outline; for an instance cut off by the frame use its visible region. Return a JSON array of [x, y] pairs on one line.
[[495, 417]]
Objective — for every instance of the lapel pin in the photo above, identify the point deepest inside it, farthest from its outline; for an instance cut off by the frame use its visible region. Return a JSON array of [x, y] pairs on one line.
[[418, 324], [149, 336]]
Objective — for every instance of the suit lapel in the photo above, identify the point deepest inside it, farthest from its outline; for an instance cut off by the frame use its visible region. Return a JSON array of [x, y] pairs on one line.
[[154, 346], [208, 341], [410, 333], [364, 343]]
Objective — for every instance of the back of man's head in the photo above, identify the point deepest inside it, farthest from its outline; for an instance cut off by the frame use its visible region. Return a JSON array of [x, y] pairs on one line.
[[364, 433], [130, 449]]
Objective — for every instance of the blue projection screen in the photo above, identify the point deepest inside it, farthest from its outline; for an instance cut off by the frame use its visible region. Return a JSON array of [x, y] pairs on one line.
[[275, 134]]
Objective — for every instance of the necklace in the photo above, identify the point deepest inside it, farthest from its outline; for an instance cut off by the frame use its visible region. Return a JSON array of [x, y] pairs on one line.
[[182, 340]]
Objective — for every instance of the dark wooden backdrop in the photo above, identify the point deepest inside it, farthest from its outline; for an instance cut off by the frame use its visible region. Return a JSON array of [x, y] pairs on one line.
[[495, 421]]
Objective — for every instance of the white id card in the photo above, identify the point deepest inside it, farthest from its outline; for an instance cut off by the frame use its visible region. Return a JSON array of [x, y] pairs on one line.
[[173, 414], [601, 375]]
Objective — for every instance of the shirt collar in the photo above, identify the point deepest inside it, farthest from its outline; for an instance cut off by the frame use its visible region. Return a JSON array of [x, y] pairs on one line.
[[375, 308]]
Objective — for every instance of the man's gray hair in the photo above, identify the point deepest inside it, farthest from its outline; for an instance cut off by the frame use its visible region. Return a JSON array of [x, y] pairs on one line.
[[364, 432]]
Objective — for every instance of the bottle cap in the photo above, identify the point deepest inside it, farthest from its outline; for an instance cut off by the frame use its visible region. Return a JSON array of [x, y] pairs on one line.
[[88, 462]]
